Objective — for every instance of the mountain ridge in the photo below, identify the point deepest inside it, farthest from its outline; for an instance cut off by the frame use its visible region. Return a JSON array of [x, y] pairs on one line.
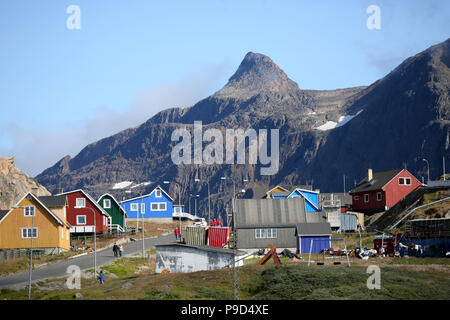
[[417, 90]]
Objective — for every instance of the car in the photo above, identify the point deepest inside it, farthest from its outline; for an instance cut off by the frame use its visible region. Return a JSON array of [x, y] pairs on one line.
[[200, 222]]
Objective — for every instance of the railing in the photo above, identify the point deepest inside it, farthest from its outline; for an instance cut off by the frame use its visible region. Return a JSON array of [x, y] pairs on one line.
[[331, 203], [116, 228], [177, 215]]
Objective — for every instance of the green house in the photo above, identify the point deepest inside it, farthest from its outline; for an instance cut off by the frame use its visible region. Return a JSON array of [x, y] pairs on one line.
[[113, 208]]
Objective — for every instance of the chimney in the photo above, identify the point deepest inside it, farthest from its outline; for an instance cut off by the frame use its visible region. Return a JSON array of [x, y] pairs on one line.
[[369, 174]]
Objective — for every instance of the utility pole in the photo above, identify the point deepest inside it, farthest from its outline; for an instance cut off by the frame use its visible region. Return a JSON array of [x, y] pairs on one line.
[[31, 255], [143, 229], [428, 166], [443, 165], [344, 183]]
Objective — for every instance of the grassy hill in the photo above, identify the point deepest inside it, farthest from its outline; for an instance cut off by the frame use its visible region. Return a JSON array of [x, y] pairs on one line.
[[134, 279]]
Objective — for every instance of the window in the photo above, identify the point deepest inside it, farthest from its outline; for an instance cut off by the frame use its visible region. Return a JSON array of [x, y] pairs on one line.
[[270, 233], [158, 194], [356, 198], [28, 233], [158, 206], [379, 196], [134, 207], [62, 234], [28, 211], [178, 209], [81, 219], [107, 203], [142, 207], [366, 198], [80, 203], [404, 181]]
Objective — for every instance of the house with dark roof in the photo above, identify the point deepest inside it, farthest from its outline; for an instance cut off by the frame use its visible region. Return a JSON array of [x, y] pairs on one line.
[[84, 214], [260, 222], [35, 218], [155, 206], [115, 210], [379, 191]]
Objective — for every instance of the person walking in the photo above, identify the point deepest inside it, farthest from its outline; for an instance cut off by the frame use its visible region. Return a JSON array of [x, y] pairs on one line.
[[101, 277], [120, 250], [175, 232], [115, 249]]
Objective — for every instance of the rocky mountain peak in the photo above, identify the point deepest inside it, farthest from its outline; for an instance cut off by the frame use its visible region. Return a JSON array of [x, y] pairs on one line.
[[14, 184], [257, 73]]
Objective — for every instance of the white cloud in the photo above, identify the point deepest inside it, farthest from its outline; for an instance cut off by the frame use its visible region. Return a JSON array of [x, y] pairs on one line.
[[38, 148]]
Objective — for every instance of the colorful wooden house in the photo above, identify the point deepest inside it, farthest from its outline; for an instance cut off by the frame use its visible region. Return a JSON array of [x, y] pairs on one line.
[[157, 205], [311, 198], [32, 218], [81, 209], [379, 191], [117, 213]]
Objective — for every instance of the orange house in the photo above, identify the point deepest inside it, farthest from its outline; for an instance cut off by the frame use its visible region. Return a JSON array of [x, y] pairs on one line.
[[32, 218]]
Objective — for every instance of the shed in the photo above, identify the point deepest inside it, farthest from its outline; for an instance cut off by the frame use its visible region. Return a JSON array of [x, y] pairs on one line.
[[218, 236], [195, 235], [349, 222], [388, 242], [177, 257], [320, 232]]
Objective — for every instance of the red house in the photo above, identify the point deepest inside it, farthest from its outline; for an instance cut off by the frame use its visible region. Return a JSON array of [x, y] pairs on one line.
[[80, 213], [379, 191]]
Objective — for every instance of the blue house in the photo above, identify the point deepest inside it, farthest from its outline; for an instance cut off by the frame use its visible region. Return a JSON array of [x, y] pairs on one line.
[[311, 198], [158, 204]]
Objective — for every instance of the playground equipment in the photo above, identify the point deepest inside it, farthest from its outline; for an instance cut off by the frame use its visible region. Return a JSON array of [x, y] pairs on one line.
[[332, 252], [271, 254]]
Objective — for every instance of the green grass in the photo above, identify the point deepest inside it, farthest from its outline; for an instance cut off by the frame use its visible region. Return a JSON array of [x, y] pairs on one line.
[[293, 282], [429, 197], [125, 266], [407, 278]]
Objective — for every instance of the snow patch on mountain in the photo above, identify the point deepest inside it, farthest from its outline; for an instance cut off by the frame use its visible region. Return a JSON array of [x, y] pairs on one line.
[[342, 121]]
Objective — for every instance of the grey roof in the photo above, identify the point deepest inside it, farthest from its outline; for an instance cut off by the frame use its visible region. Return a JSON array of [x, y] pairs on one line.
[[202, 248], [273, 212], [380, 179], [316, 228], [438, 183], [281, 194], [255, 193], [345, 198], [3, 213], [260, 192], [53, 201]]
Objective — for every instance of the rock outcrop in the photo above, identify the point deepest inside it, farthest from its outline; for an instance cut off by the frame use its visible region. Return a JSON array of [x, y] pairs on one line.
[[14, 184]]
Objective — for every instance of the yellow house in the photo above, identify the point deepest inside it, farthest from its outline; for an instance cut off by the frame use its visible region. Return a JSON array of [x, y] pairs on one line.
[[32, 217], [276, 189]]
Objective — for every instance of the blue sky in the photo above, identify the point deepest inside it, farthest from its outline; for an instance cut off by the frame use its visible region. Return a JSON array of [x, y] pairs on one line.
[[63, 89]]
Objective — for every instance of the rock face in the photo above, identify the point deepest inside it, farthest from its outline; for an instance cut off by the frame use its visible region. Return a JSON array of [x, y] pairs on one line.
[[396, 119], [14, 184]]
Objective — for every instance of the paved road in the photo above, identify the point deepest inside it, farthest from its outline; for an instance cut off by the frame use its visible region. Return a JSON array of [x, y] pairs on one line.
[[85, 262]]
